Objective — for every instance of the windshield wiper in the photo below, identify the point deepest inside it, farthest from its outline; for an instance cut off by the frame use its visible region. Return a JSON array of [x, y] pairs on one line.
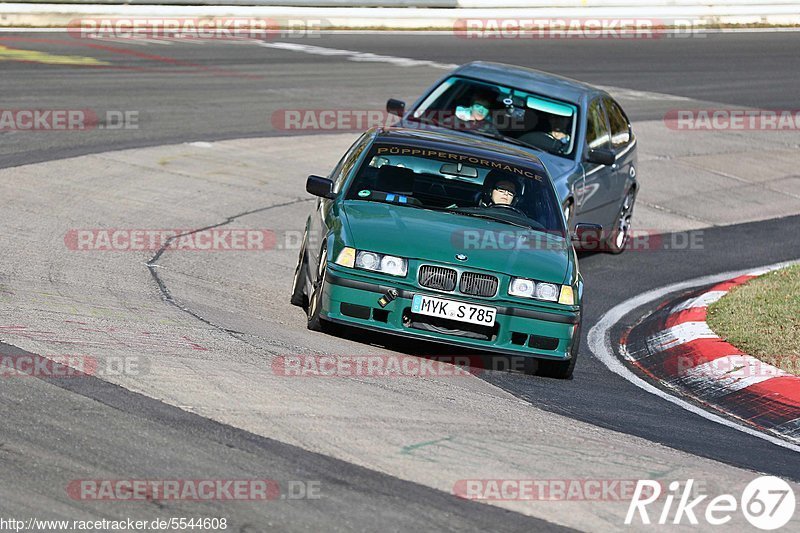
[[398, 204], [495, 136], [496, 219], [504, 138], [424, 120], [512, 140]]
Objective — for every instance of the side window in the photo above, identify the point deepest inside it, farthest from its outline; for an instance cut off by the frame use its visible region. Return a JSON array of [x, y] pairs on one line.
[[597, 135], [620, 127], [341, 171]]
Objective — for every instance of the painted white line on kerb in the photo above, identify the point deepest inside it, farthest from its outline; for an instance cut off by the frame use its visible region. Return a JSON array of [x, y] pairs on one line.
[[727, 374], [678, 335], [704, 300], [599, 340]]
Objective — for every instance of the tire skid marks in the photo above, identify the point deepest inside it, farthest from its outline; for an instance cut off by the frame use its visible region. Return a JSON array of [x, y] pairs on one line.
[[679, 334], [699, 302], [727, 374]]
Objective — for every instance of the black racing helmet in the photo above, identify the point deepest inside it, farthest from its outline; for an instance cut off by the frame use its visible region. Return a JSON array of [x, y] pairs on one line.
[[491, 181]]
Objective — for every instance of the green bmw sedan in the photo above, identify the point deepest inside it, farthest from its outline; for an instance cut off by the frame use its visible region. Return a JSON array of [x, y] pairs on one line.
[[446, 238]]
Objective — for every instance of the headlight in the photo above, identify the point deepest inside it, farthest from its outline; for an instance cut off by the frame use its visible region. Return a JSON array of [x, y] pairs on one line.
[[387, 264], [546, 291], [393, 265], [522, 287], [368, 260], [549, 292]]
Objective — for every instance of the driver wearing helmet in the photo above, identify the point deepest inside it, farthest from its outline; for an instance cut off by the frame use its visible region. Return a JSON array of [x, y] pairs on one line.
[[499, 190], [503, 193], [478, 115], [558, 126]]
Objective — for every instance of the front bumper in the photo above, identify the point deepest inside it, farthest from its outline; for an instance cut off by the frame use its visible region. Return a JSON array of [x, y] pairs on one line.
[[527, 330]]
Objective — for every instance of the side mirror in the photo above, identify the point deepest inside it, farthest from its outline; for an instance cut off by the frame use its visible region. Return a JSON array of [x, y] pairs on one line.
[[588, 236], [396, 107], [319, 186], [601, 156]]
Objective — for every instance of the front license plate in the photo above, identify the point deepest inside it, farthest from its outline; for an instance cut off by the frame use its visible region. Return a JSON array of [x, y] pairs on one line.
[[452, 310]]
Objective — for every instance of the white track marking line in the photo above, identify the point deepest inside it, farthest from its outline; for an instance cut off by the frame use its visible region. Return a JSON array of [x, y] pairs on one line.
[[168, 42], [138, 42], [599, 340], [633, 94], [352, 55], [760, 271]]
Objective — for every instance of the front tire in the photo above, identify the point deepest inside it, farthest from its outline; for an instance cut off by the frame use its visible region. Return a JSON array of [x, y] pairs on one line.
[[299, 282], [530, 366], [557, 369], [315, 321], [562, 369]]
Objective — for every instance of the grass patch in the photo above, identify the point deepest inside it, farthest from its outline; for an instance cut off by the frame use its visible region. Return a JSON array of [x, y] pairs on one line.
[[762, 318]]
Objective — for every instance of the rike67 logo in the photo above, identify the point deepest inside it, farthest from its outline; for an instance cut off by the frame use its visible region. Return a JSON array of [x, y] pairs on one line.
[[767, 503]]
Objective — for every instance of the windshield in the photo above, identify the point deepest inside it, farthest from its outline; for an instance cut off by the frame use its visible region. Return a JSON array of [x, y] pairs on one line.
[[484, 108], [460, 184]]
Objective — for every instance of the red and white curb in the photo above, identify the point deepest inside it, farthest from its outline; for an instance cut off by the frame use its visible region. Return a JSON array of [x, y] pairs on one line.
[[606, 350], [676, 347]]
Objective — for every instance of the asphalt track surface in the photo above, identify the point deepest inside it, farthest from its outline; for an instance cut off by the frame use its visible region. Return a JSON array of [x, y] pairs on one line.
[[211, 92], [224, 91]]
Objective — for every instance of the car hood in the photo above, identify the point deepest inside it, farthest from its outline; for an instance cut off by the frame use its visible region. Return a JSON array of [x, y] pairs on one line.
[[438, 236]]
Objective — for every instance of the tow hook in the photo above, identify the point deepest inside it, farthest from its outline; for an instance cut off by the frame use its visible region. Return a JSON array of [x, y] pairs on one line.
[[387, 298]]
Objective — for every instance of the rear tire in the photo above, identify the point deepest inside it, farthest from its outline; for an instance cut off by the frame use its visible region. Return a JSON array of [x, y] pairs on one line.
[[619, 238]]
